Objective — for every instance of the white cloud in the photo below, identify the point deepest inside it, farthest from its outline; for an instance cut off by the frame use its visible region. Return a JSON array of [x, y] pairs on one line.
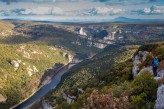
[[41, 10], [37, 10], [102, 11], [57, 10], [52, 10], [147, 10], [153, 10]]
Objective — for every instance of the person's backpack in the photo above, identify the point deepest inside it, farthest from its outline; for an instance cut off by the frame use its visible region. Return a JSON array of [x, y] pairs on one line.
[[155, 63]]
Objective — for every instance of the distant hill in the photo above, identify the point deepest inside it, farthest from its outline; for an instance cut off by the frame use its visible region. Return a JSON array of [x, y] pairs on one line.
[[124, 19], [119, 19]]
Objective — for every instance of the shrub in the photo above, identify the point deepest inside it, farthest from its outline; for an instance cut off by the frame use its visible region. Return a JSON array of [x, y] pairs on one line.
[[144, 91]]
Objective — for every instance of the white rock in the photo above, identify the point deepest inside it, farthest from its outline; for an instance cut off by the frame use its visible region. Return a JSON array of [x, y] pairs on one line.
[[136, 60], [35, 69], [24, 63], [36, 52], [80, 90], [19, 61], [159, 104], [26, 55], [69, 100], [135, 70], [72, 97], [2, 99], [64, 54], [30, 71], [161, 73], [46, 105], [52, 48], [157, 78], [64, 96], [70, 58], [145, 53], [14, 63]]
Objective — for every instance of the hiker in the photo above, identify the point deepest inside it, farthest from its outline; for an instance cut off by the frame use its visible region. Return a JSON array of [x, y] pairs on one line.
[[155, 64]]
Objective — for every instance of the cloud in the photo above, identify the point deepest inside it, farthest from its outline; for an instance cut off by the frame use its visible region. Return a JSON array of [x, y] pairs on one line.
[[41, 10], [53, 10], [102, 1], [152, 10], [102, 11], [10, 1], [126, 2]]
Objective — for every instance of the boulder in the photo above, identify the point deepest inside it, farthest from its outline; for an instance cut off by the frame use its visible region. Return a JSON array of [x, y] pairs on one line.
[[159, 104], [70, 58], [15, 63], [35, 69], [2, 98], [31, 70], [64, 54]]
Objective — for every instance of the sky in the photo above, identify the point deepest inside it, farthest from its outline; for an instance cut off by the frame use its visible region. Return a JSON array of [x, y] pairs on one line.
[[60, 10]]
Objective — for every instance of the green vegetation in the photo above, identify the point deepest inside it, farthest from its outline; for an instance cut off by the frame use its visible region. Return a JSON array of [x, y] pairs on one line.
[[24, 50], [19, 80], [98, 72], [106, 78], [56, 36], [22, 64], [109, 85], [143, 95]]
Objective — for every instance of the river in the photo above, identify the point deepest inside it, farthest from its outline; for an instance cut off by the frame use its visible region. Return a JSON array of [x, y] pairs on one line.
[[46, 88]]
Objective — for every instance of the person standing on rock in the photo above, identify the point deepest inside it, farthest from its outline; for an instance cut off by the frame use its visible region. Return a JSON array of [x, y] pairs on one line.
[[155, 64]]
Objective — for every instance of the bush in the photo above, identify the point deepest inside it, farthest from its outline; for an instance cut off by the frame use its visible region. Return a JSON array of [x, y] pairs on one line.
[[144, 91]]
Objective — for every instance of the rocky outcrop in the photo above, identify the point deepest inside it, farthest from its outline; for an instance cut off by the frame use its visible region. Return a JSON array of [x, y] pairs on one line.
[[24, 52], [159, 104], [31, 70], [141, 56], [64, 54], [68, 56], [137, 60], [2, 98], [46, 105], [82, 32], [15, 63], [69, 99]]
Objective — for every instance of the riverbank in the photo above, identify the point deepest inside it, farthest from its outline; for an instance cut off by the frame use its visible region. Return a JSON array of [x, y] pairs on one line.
[[41, 103]]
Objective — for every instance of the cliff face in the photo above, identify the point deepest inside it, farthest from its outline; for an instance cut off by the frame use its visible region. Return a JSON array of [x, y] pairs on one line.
[[121, 84]]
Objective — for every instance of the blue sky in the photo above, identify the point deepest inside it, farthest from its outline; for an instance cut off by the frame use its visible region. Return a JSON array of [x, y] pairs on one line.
[[81, 9]]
